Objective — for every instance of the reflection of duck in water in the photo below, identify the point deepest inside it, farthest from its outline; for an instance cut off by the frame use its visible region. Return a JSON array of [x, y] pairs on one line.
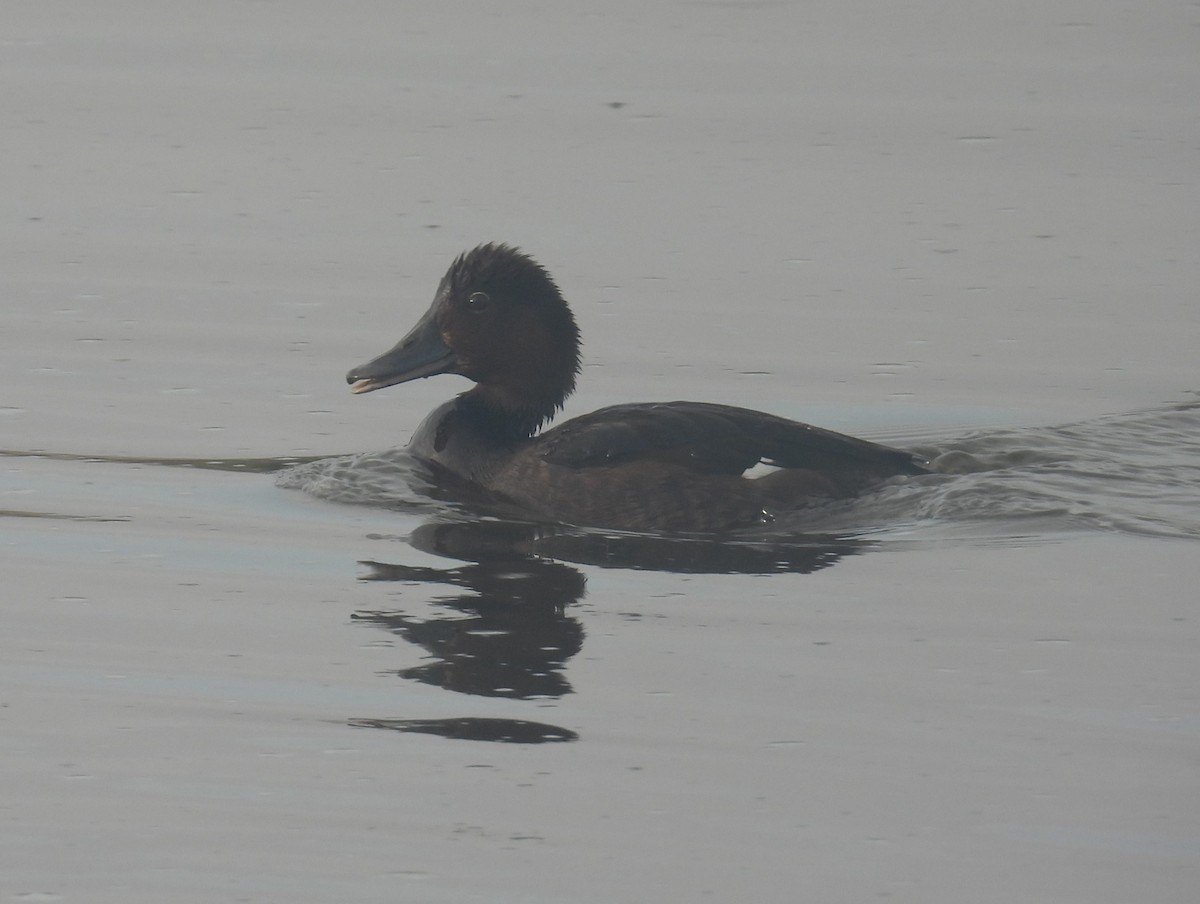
[[499, 320], [519, 552], [508, 634]]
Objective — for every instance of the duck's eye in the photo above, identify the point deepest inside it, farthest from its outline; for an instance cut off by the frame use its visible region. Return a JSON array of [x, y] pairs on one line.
[[478, 302]]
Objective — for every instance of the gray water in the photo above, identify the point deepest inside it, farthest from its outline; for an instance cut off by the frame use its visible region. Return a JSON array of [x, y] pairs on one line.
[[496, 601], [940, 225]]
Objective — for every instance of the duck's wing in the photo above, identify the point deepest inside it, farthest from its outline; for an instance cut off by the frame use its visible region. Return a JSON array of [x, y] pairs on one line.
[[714, 439]]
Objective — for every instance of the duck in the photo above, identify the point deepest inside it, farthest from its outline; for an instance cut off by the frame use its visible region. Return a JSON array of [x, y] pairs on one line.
[[499, 319]]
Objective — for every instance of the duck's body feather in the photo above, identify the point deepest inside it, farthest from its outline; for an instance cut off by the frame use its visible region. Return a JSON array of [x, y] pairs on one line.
[[674, 466]]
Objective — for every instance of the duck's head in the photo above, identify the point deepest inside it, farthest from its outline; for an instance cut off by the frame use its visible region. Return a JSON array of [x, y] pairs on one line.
[[499, 320]]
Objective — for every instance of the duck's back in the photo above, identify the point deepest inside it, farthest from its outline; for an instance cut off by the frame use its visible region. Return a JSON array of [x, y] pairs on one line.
[[678, 466]]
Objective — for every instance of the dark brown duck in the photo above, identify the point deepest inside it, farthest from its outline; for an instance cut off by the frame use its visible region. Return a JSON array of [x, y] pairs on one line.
[[499, 319]]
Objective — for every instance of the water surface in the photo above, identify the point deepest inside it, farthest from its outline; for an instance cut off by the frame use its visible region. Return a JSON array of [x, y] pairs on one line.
[[966, 228]]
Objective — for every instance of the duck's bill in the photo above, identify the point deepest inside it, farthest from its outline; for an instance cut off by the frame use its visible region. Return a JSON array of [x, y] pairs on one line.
[[421, 353]]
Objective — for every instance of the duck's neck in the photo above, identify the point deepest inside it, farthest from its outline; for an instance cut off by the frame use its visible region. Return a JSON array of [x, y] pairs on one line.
[[511, 416], [474, 433]]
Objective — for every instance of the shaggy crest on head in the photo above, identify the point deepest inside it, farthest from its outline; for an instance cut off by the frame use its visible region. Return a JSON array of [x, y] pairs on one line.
[[532, 359], [502, 267]]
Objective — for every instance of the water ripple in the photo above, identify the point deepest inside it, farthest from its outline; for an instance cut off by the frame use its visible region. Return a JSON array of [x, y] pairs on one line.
[[1135, 473]]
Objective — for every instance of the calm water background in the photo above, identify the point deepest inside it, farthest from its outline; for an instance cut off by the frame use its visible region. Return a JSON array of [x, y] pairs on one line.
[[965, 228]]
